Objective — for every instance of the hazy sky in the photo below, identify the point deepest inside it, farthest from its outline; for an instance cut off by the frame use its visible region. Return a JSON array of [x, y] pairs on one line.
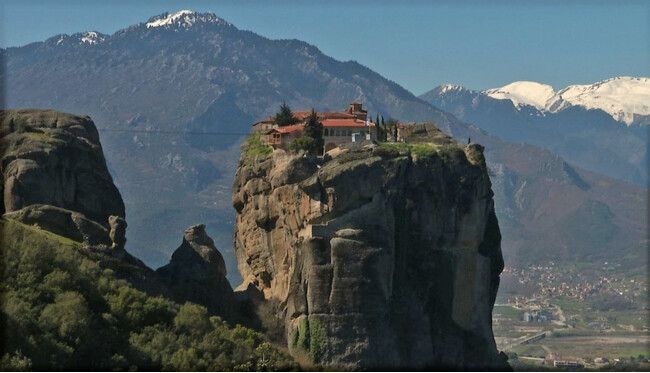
[[419, 44]]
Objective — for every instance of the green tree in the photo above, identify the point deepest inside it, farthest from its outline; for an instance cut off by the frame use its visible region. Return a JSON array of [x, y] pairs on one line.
[[317, 340], [16, 362], [285, 117], [302, 143], [314, 130], [380, 129], [391, 124], [192, 318], [383, 134], [68, 317], [61, 311]]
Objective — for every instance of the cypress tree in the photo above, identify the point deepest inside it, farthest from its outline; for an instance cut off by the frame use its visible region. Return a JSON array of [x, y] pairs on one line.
[[314, 129], [285, 116]]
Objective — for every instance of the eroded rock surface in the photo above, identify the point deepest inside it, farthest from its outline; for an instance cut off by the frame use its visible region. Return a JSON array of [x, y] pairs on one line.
[[53, 158], [197, 273], [384, 258], [66, 223]]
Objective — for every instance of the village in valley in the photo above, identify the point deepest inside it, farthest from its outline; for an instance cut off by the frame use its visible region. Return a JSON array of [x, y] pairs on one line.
[[553, 316]]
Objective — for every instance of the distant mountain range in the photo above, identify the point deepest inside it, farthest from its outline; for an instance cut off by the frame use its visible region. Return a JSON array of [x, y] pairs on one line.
[[174, 97], [626, 99], [601, 127]]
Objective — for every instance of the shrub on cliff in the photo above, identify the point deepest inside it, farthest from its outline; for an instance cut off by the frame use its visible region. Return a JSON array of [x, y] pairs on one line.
[[255, 147], [303, 143]]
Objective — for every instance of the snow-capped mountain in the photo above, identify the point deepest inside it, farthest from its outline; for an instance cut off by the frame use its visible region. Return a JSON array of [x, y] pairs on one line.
[[80, 38], [626, 99], [447, 88], [524, 93], [92, 37], [600, 127], [184, 19]]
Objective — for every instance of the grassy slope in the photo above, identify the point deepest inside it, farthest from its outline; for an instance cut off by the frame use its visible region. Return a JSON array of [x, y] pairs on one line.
[[60, 310]]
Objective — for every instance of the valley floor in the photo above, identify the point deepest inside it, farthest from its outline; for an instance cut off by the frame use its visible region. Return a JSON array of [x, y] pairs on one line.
[[602, 321]]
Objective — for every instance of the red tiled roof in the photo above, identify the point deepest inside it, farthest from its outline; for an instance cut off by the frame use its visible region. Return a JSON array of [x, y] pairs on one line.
[[288, 129], [345, 123], [335, 115], [302, 114]]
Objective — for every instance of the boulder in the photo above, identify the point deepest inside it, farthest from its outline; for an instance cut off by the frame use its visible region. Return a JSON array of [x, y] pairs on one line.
[[66, 223]]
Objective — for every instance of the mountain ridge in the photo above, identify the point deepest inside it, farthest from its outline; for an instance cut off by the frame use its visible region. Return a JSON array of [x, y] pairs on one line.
[[589, 138], [624, 98]]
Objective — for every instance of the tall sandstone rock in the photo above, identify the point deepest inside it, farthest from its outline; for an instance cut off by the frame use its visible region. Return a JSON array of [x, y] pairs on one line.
[[379, 258], [197, 273], [54, 158], [54, 175]]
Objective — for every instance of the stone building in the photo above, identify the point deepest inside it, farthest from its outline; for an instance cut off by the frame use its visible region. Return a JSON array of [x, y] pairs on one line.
[[351, 125], [282, 136], [338, 131], [357, 110], [264, 124]]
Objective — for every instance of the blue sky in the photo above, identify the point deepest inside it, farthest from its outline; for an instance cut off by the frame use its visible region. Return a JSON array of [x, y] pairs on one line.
[[419, 44]]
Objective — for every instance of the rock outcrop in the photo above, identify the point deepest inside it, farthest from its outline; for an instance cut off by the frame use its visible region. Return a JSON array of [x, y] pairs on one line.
[[197, 273], [53, 158], [63, 222], [54, 177], [379, 258]]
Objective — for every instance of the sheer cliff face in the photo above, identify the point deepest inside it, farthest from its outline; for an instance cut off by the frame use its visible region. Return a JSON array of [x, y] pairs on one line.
[[378, 258]]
